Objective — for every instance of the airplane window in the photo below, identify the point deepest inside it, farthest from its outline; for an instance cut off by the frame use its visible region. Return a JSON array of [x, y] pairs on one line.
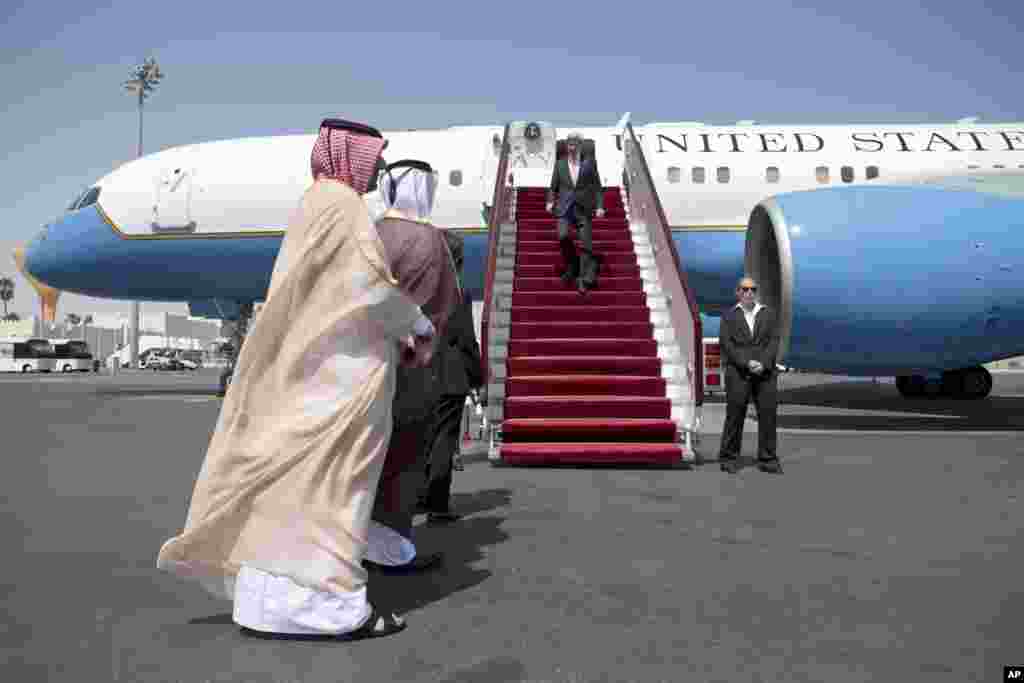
[[771, 174], [674, 174], [90, 198], [871, 172], [455, 178], [821, 173], [847, 174], [723, 174], [698, 174]]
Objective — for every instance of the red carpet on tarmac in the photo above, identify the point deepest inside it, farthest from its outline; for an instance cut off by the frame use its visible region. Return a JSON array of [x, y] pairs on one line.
[[583, 378]]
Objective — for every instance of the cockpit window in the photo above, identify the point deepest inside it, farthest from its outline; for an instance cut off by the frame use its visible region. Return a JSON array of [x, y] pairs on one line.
[[74, 202], [89, 198]]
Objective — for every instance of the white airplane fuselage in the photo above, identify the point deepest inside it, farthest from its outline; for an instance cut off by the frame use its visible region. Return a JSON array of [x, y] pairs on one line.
[[203, 222]]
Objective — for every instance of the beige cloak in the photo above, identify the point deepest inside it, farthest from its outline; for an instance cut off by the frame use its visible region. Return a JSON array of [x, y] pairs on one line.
[[288, 483]]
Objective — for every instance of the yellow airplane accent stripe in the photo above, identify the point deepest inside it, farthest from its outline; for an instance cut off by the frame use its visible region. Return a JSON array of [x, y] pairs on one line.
[[271, 232], [268, 232]]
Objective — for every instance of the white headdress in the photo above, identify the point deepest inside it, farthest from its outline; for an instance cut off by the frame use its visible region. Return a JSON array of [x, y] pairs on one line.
[[409, 187]]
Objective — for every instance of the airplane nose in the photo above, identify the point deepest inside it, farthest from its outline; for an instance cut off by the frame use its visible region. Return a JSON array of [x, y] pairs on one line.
[[42, 257], [28, 260]]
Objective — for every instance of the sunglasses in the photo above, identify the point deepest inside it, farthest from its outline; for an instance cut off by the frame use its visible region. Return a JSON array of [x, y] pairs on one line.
[[748, 289]]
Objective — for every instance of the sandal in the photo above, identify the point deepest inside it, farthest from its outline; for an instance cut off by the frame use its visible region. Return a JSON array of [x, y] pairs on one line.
[[376, 626]]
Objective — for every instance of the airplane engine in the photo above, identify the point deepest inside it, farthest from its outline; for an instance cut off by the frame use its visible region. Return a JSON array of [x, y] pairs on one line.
[[891, 280]]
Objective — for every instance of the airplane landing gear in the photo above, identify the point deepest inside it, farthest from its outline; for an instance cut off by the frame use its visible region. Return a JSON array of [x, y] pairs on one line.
[[967, 383], [975, 382], [237, 338]]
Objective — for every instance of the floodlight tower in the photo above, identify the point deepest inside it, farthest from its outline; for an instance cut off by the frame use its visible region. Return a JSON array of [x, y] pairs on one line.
[[144, 80]]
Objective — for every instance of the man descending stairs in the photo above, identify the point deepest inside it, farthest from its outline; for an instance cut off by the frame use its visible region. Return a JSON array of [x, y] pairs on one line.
[[583, 381]]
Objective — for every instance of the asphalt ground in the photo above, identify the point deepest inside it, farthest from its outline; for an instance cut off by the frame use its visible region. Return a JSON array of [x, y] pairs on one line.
[[887, 551]]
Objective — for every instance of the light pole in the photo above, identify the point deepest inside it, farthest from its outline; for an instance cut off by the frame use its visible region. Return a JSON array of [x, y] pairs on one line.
[[144, 80]]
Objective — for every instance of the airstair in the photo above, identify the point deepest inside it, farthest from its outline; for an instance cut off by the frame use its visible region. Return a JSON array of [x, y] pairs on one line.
[[612, 376]]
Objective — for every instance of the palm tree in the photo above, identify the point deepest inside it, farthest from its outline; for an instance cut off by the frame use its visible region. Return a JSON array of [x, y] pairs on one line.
[[6, 291]]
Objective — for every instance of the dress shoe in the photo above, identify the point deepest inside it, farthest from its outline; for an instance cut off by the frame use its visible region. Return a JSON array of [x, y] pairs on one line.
[[567, 278], [446, 517], [771, 466], [421, 563], [730, 465]]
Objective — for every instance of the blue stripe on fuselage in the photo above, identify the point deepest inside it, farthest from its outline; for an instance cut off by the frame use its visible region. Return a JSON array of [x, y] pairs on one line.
[[82, 253]]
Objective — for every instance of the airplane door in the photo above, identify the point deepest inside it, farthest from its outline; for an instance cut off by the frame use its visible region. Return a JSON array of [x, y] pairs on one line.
[[492, 155], [171, 208], [489, 171], [531, 145]]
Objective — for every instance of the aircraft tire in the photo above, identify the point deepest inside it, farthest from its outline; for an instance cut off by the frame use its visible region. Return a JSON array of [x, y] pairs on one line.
[[933, 388], [977, 382], [910, 386], [953, 384]]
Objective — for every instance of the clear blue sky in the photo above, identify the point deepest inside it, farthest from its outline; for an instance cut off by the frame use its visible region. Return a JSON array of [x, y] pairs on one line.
[[237, 69]]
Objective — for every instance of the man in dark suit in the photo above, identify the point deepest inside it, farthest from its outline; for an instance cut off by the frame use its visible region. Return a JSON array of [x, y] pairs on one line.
[[458, 371], [574, 196], [749, 338]]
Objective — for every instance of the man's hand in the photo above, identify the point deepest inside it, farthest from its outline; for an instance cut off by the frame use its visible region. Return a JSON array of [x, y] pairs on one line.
[[549, 206], [424, 351], [755, 367], [417, 351], [599, 213]]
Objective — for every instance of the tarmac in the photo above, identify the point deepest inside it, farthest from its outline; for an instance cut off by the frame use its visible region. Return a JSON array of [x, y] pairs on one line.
[[887, 551]]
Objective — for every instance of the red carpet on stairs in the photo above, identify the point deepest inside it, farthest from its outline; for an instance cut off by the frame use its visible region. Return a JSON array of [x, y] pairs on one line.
[[583, 378]]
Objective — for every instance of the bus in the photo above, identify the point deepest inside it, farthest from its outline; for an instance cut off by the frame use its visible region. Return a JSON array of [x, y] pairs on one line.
[[26, 355], [72, 355]]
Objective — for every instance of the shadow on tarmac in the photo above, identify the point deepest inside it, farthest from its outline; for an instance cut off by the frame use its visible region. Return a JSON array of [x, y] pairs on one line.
[[892, 412], [461, 543]]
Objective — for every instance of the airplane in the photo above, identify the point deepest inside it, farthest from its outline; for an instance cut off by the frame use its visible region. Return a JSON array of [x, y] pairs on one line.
[[893, 250]]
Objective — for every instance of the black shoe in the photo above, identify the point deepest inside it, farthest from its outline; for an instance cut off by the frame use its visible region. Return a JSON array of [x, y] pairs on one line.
[[421, 563], [457, 463], [446, 517], [730, 465], [771, 466]]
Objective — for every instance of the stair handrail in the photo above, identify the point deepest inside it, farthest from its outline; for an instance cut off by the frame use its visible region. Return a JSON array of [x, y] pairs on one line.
[[499, 213], [682, 305]]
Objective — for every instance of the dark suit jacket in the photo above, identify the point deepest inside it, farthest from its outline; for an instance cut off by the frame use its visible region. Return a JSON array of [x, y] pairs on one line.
[[739, 346], [458, 363], [586, 192]]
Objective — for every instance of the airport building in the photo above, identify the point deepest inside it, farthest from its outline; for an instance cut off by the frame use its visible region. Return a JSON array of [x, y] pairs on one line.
[[108, 333]]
